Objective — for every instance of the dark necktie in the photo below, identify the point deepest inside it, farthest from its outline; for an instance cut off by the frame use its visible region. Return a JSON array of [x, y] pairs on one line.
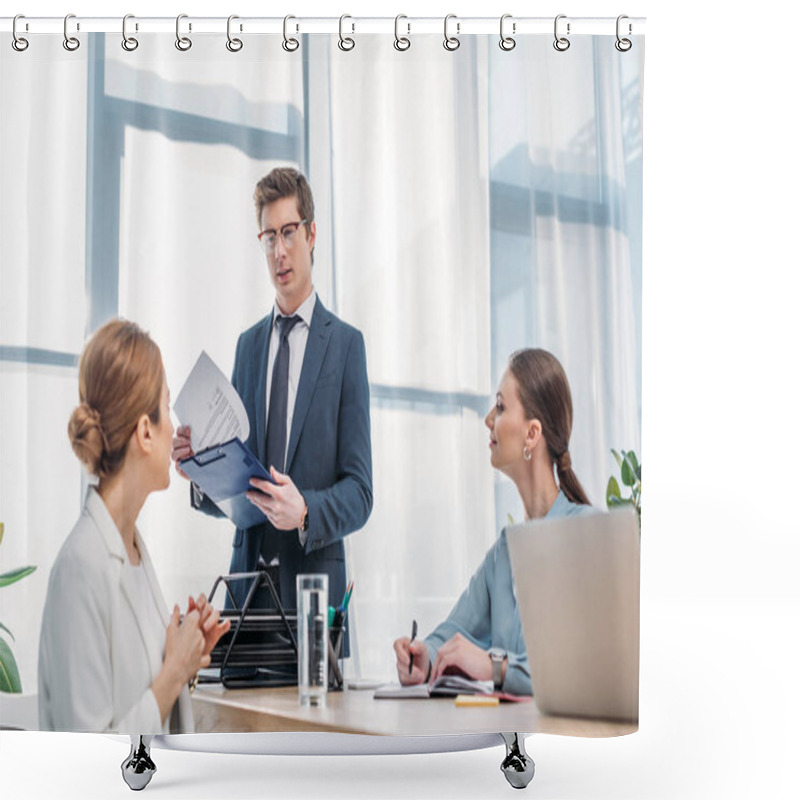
[[279, 397]]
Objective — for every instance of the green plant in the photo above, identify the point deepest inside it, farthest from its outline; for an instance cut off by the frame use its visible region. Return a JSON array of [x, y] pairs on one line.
[[9, 674], [630, 472]]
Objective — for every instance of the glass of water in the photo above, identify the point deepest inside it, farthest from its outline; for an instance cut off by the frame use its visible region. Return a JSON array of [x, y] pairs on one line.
[[312, 639]]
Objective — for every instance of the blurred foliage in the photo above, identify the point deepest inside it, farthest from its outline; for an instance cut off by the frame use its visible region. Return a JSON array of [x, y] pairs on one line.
[[9, 674], [630, 473]]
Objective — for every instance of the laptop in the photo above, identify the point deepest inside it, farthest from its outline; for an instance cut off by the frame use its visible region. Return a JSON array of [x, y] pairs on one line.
[[577, 588]]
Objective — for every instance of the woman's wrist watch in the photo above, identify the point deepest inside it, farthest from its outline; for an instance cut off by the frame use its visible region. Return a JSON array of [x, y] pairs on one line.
[[498, 656]]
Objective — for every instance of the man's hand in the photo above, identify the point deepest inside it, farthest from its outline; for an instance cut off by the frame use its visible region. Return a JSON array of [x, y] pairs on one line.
[[182, 447], [281, 501], [459, 654]]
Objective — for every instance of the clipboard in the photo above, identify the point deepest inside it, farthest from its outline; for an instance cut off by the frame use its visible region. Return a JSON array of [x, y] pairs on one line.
[[223, 473]]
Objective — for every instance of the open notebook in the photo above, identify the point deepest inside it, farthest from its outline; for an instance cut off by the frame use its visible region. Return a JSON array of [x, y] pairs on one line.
[[446, 686]]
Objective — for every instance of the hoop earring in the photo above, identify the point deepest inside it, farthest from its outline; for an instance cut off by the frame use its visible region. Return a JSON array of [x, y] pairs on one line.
[[526, 453]]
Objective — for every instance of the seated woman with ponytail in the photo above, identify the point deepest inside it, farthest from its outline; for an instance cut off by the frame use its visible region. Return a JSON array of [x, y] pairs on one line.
[[111, 657], [529, 429]]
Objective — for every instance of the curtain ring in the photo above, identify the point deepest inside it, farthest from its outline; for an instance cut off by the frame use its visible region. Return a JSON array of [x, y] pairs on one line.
[[129, 43], [234, 45], [451, 42], [19, 43], [401, 43], [346, 43], [183, 43], [561, 43], [507, 42], [623, 45], [289, 44], [71, 43]]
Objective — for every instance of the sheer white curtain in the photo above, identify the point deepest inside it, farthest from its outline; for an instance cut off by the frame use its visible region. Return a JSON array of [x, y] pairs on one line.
[[483, 201], [42, 321], [566, 149], [409, 166], [467, 203]]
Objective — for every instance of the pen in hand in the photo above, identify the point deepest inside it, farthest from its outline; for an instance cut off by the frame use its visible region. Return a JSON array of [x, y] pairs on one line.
[[411, 655]]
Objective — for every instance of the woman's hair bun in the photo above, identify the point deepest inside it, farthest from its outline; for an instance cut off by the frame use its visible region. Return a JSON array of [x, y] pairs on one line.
[[87, 437]]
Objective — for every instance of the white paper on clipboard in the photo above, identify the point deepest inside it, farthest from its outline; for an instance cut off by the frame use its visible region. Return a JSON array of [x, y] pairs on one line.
[[209, 404]]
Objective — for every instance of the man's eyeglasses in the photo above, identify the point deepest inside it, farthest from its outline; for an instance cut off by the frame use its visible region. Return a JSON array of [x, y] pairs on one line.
[[288, 233]]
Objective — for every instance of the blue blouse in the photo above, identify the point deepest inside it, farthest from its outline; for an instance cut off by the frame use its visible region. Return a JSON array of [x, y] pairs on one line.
[[487, 614]]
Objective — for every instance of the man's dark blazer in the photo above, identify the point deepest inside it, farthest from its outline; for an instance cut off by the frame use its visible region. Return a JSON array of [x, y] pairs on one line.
[[329, 454]]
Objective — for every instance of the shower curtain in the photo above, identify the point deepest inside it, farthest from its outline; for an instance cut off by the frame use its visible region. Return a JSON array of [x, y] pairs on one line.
[[468, 203]]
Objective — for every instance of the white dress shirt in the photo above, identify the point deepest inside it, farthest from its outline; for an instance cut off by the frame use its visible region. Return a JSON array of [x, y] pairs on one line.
[[298, 337]]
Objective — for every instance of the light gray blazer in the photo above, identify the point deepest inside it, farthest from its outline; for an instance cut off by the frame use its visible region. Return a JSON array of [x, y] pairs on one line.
[[95, 665]]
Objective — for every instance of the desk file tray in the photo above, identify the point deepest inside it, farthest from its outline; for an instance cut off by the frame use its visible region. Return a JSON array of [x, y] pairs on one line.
[[260, 649]]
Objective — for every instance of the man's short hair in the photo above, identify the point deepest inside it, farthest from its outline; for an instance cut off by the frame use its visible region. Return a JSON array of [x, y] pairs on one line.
[[284, 182]]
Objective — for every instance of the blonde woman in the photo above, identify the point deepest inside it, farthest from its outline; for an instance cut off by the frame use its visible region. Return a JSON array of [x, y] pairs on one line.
[[111, 656]]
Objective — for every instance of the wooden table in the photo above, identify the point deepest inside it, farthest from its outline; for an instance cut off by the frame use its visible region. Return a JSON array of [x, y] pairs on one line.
[[220, 710]]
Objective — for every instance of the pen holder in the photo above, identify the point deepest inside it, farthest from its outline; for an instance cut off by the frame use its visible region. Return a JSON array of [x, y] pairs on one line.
[[335, 678]]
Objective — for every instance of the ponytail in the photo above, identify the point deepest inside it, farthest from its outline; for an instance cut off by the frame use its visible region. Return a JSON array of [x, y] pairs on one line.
[[568, 481]]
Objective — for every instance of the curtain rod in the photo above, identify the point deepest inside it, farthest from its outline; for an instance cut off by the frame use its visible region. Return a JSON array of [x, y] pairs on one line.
[[348, 25]]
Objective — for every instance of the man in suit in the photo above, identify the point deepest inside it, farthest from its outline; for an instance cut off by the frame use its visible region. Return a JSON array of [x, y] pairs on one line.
[[302, 376]]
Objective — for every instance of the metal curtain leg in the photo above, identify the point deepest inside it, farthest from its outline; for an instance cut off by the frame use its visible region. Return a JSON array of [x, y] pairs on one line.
[[517, 766], [138, 768]]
